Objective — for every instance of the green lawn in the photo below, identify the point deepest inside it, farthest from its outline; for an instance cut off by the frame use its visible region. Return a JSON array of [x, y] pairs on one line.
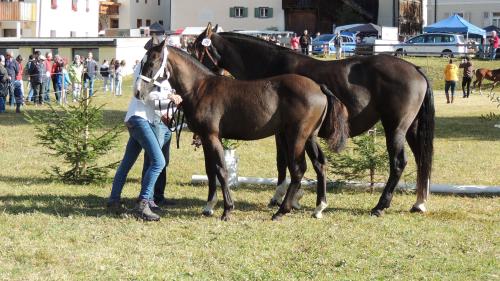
[[52, 231]]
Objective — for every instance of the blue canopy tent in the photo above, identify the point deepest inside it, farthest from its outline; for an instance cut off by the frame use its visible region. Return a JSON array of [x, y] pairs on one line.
[[456, 24]]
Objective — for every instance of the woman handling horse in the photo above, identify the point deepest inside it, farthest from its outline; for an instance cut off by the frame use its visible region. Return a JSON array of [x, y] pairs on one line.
[[143, 120], [292, 107]]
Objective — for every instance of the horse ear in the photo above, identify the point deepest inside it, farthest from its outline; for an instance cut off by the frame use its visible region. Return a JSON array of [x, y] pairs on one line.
[[215, 28], [208, 31]]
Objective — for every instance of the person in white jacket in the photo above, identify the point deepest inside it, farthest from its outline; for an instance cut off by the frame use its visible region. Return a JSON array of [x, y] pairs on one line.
[[143, 121]]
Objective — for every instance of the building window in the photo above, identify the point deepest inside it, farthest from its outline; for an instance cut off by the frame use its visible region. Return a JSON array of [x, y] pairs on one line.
[[238, 12], [145, 1], [74, 5], [136, 1], [84, 52], [52, 33], [72, 34], [114, 23], [263, 12], [139, 23], [495, 19], [159, 2], [160, 22], [148, 22]]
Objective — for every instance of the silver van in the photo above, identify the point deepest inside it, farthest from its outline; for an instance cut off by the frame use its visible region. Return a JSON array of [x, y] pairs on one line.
[[433, 44]]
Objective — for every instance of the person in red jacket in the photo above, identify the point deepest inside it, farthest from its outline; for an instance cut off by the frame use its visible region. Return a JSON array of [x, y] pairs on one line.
[[494, 42], [294, 42], [48, 76]]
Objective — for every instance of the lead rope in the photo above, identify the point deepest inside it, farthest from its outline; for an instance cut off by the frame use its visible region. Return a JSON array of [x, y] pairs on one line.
[[172, 125]]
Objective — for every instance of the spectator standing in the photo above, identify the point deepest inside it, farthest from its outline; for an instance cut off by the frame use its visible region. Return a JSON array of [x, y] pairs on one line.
[[338, 45], [18, 85], [38, 77], [57, 76], [294, 42], [119, 77], [467, 76], [27, 78], [494, 42], [451, 78], [305, 42], [12, 70], [48, 63], [104, 71], [112, 74], [4, 76], [75, 73], [89, 73]]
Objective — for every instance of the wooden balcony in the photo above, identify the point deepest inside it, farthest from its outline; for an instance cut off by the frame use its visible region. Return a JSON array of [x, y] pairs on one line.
[[109, 8], [17, 11], [300, 4]]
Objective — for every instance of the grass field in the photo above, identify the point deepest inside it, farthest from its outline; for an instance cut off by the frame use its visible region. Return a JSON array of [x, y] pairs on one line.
[[52, 231]]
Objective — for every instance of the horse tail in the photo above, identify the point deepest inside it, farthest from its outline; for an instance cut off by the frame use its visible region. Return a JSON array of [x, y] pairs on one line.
[[425, 137], [335, 126]]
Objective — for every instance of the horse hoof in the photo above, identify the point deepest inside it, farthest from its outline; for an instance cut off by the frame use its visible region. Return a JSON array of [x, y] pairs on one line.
[[277, 217], [377, 212], [317, 215], [416, 209], [208, 213], [296, 206], [225, 218], [273, 203]]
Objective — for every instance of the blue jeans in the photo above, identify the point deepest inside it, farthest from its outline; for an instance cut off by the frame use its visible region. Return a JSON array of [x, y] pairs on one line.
[[89, 83], [118, 87], [142, 136], [2, 104], [57, 86], [493, 53], [46, 90], [450, 85], [18, 91], [164, 136]]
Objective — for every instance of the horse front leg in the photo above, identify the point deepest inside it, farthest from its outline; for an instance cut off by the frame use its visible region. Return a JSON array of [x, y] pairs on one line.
[[318, 162], [210, 169], [214, 147], [281, 164]]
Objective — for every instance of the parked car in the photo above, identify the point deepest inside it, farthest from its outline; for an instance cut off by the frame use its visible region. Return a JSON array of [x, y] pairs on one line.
[[433, 44], [348, 43]]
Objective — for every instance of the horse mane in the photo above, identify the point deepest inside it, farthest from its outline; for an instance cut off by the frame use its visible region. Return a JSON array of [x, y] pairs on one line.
[[190, 60], [254, 40]]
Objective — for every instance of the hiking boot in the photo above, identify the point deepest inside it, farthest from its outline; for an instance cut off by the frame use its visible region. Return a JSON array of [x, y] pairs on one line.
[[154, 207], [115, 207], [142, 211]]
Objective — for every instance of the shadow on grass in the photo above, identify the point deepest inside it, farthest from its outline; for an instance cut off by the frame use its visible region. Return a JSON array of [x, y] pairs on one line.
[[466, 127]]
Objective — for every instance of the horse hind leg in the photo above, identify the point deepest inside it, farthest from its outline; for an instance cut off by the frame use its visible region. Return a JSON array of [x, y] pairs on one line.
[[281, 164], [412, 139], [297, 167], [318, 162], [397, 162], [210, 169]]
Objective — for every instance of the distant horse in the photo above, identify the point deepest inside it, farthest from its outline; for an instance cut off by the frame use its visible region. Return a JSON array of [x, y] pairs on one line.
[[290, 106], [484, 73], [372, 88]]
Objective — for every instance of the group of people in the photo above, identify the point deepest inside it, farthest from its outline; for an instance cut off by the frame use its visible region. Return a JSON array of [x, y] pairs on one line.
[[43, 71], [11, 81], [451, 78]]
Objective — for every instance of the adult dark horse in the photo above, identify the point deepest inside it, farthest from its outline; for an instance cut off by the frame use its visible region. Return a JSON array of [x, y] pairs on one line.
[[372, 88], [290, 106]]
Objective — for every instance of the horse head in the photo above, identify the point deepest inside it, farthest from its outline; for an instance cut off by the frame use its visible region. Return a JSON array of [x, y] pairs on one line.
[[204, 49], [153, 70]]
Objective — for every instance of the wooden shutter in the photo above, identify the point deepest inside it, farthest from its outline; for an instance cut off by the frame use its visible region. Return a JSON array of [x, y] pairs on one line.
[[269, 12], [245, 12], [232, 12], [257, 12]]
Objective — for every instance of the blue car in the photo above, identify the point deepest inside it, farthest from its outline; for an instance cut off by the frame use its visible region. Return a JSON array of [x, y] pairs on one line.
[[348, 43]]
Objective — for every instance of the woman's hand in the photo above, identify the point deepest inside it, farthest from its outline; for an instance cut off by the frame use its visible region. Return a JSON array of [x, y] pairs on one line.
[[175, 98]]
